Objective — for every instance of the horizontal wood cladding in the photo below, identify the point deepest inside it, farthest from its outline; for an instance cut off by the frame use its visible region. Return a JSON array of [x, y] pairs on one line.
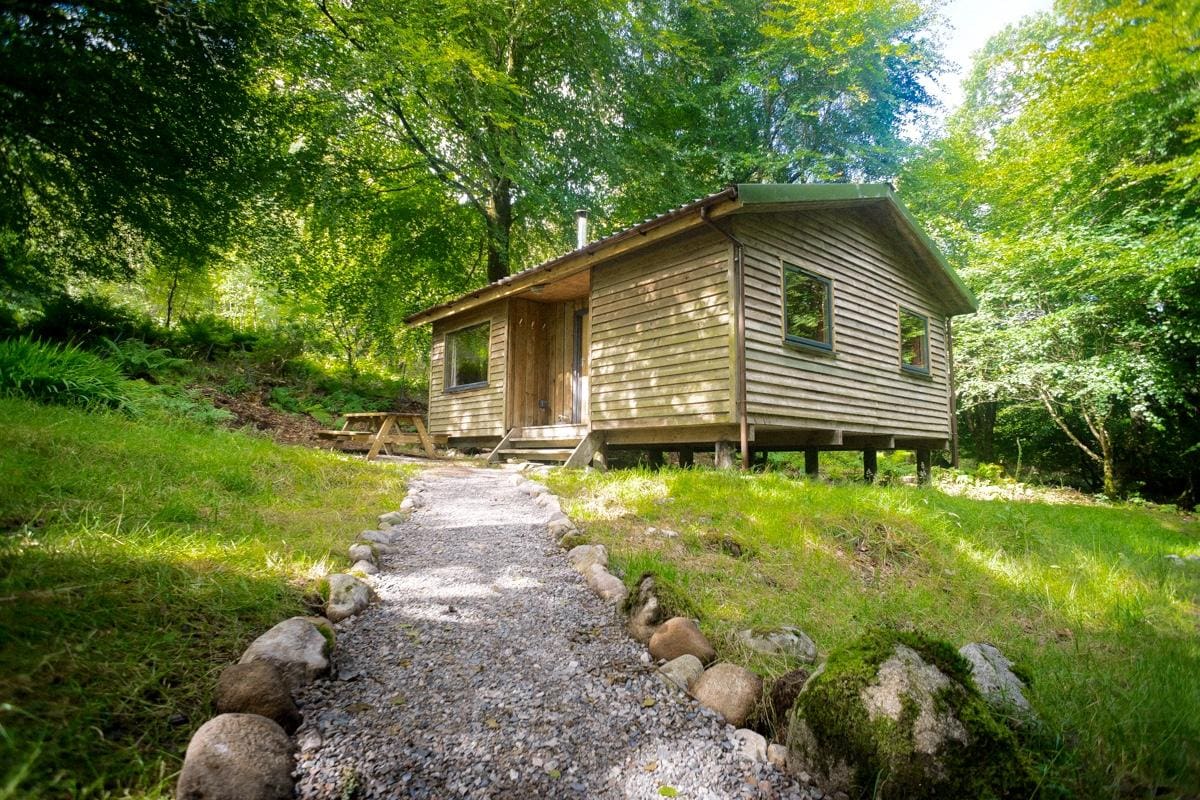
[[472, 412], [661, 328], [859, 386]]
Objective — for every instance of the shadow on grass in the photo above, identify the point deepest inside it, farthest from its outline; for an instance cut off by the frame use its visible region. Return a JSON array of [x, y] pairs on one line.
[[107, 663]]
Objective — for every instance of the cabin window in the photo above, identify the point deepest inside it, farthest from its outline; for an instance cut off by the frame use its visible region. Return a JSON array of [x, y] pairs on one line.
[[467, 357], [914, 342], [807, 308]]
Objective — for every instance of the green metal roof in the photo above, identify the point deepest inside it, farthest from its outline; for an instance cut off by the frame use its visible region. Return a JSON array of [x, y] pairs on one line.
[[752, 194]]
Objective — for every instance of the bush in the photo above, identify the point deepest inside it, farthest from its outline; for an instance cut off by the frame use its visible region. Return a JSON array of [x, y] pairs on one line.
[[60, 373], [89, 319], [136, 359]]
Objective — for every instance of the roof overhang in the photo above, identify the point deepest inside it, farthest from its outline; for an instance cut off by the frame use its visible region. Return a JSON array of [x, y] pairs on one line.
[[742, 198]]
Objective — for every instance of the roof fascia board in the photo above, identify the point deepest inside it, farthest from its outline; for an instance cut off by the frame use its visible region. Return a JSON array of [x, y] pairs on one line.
[[630, 240], [763, 197]]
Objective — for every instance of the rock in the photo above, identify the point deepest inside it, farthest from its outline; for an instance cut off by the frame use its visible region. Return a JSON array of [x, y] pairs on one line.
[[681, 672], [645, 612], [777, 755], [392, 518], [376, 537], [750, 744], [257, 688], [678, 636], [784, 691], [995, 680], [347, 596], [237, 757], [585, 555], [732, 691], [781, 641], [560, 526], [298, 647], [363, 552], [406, 506], [571, 540], [364, 568], [609, 587], [1174, 559], [901, 704]]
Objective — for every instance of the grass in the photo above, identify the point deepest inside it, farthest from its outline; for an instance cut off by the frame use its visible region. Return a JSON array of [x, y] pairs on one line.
[[136, 561], [1081, 597]]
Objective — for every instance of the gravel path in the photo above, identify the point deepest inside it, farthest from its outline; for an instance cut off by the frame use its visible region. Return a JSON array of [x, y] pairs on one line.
[[488, 669]]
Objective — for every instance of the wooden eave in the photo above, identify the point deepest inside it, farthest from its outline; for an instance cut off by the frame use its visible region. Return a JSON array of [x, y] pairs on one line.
[[740, 199], [650, 232]]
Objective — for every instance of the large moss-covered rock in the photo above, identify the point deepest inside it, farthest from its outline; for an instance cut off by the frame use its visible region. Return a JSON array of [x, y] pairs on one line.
[[896, 714]]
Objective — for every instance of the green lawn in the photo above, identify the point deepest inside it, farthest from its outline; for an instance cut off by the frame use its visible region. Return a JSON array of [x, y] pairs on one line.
[[1080, 596], [135, 562]]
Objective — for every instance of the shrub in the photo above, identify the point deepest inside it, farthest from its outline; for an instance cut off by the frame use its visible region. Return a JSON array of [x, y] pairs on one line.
[[88, 319], [136, 359], [59, 373]]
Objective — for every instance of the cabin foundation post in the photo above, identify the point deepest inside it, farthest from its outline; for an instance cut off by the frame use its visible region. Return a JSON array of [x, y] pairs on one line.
[[812, 462], [654, 458], [724, 454], [923, 466], [870, 466], [686, 457]]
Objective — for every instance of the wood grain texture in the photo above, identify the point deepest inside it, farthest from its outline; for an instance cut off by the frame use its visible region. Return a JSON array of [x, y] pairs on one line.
[[474, 412], [660, 336], [859, 387]]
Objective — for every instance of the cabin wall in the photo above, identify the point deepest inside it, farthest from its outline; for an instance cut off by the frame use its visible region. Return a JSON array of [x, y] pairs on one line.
[[661, 335], [859, 387], [473, 412]]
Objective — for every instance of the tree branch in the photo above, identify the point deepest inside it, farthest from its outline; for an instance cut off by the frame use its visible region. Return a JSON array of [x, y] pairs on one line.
[[1045, 396]]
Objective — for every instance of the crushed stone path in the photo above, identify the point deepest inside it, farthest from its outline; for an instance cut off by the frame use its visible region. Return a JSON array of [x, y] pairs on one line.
[[488, 669]]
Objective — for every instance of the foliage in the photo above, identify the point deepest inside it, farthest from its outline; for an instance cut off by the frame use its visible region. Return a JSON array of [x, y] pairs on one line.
[[1081, 596], [136, 359], [1062, 187], [131, 132], [136, 561], [60, 373]]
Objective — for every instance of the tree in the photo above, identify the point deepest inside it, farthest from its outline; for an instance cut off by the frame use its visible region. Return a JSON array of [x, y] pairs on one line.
[[1063, 188], [126, 126], [747, 90], [502, 102]]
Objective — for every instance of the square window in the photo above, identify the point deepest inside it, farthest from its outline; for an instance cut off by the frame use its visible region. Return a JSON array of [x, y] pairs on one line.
[[914, 342], [807, 308], [467, 357]]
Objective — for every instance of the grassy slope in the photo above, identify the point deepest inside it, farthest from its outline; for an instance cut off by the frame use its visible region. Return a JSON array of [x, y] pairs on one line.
[[1081, 596], [135, 562]]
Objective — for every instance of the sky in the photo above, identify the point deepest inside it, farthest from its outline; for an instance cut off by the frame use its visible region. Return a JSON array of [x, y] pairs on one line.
[[972, 23]]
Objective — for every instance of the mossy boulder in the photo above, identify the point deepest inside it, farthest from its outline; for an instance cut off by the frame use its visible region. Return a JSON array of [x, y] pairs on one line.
[[895, 714]]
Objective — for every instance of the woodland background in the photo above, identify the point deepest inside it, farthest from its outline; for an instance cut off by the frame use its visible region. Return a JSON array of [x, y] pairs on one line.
[[283, 181]]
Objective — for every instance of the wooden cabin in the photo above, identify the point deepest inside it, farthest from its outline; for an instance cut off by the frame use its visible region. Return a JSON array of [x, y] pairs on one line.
[[763, 317]]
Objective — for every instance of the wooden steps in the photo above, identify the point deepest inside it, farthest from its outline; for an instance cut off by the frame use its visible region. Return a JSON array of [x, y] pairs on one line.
[[552, 444]]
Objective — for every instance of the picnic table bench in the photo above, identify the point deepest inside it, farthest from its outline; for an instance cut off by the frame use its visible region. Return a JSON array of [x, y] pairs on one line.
[[382, 429]]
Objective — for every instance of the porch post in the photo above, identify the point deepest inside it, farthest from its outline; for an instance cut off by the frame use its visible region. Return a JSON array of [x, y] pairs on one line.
[[812, 462]]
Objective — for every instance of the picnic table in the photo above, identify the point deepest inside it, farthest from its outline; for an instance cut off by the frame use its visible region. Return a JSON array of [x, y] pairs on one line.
[[381, 428]]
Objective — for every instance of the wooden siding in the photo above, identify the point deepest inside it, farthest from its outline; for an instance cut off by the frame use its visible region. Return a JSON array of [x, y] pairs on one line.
[[661, 336], [859, 387], [472, 412]]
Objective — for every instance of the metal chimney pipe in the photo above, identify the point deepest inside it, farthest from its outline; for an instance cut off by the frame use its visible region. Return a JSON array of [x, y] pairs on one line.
[[581, 231]]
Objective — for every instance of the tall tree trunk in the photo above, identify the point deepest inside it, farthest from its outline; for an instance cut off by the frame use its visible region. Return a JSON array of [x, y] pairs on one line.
[[171, 298], [498, 213]]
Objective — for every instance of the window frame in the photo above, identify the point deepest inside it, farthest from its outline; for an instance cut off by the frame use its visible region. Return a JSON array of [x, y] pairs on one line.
[[909, 368], [801, 342], [448, 387]]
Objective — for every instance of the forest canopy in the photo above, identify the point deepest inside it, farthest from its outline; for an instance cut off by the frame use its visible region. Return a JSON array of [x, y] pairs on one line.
[[326, 167]]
